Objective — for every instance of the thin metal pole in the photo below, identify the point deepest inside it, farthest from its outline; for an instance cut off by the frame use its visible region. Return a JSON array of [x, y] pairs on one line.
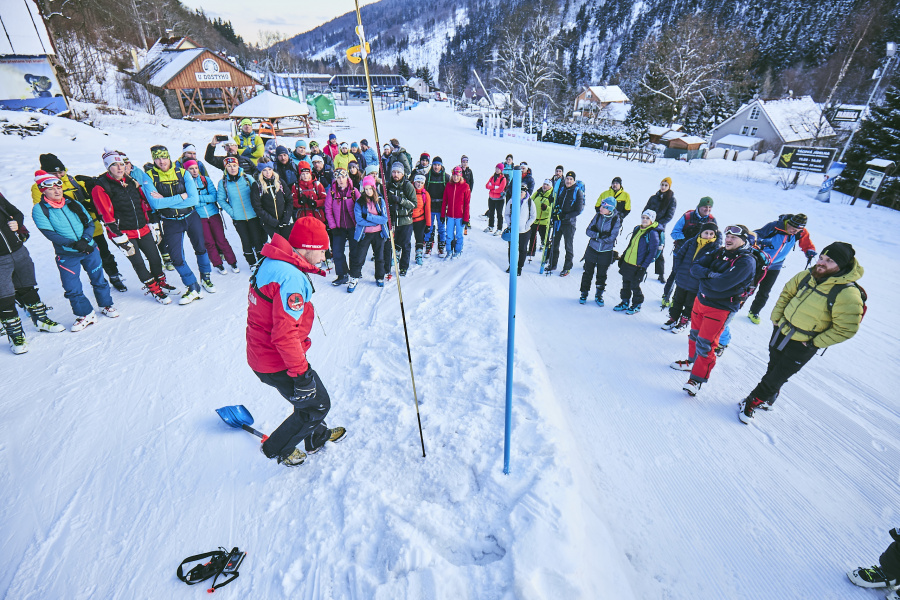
[[515, 202], [862, 115], [365, 58]]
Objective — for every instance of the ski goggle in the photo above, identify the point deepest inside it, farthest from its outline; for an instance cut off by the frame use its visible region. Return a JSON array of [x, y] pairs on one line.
[[159, 152], [340, 172], [734, 230], [230, 160], [49, 183]]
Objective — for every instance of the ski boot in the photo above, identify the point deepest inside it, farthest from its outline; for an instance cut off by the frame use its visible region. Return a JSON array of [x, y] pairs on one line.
[[379, 282], [623, 305], [164, 286], [682, 325], [748, 405], [583, 299], [692, 387], [38, 313], [109, 311], [117, 282], [402, 272], [489, 229], [720, 350], [152, 287], [754, 318], [669, 325], [682, 365], [564, 273], [635, 308], [207, 283], [599, 299], [442, 249], [82, 322], [351, 286], [428, 247], [221, 270], [341, 280], [167, 262], [16, 335], [419, 256], [192, 293]]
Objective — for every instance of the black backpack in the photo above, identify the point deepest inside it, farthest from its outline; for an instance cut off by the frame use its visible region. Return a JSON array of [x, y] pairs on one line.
[[835, 290]]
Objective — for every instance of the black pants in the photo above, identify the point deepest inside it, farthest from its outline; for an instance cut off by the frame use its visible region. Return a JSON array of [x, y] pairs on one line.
[[762, 292], [523, 249], [631, 284], [306, 424], [890, 561], [536, 230], [495, 207], [782, 365], [253, 238], [109, 261], [661, 259], [388, 254], [419, 231], [595, 260], [150, 250], [565, 232], [283, 230], [374, 240], [670, 281], [682, 302], [403, 243]]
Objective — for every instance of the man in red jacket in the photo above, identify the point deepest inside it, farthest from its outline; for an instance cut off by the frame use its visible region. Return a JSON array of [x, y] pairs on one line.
[[279, 319]]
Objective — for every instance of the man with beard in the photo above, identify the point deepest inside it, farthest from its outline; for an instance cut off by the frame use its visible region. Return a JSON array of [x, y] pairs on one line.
[[818, 308]]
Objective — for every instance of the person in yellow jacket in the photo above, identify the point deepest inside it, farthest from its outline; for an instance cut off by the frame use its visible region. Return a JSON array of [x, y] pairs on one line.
[[74, 188], [818, 308], [250, 145], [543, 200], [342, 159], [617, 193]]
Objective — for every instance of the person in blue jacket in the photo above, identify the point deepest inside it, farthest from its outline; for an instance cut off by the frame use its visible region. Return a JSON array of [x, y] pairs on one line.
[[176, 199], [370, 156], [639, 254], [371, 230], [70, 227], [777, 239], [233, 196], [217, 245], [692, 250], [686, 228], [602, 231]]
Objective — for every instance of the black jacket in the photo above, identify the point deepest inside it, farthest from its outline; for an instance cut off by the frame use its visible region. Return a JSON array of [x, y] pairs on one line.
[[663, 205], [219, 161], [470, 179], [11, 241], [724, 276], [273, 206], [569, 204]]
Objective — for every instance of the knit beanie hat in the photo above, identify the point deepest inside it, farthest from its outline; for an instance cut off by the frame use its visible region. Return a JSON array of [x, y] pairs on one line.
[[395, 143], [397, 166], [331, 136], [190, 163], [668, 180], [437, 161], [571, 174], [345, 146], [424, 156], [419, 178], [798, 220], [281, 150], [318, 159], [262, 166], [548, 182], [111, 157], [709, 227], [560, 168], [372, 170], [245, 122], [304, 166], [609, 204], [840, 252], [617, 180], [364, 142], [354, 145], [499, 166], [50, 163], [43, 178], [300, 144], [705, 201], [188, 147], [308, 233], [649, 213], [457, 170], [368, 180]]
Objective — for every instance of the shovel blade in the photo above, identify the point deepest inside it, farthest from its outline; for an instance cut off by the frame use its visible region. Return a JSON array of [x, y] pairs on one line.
[[235, 416]]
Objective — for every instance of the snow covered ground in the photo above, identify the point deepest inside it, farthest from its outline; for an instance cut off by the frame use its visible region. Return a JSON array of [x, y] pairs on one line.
[[114, 466]]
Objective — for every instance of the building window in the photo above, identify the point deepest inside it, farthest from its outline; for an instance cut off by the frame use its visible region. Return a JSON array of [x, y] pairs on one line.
[[744, 130], [753, 131], [754, 113]]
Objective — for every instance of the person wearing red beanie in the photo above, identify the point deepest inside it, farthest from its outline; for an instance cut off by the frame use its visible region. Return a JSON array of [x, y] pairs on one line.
[[280, 317]]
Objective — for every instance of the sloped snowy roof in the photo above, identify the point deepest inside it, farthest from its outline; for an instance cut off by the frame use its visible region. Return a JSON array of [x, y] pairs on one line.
[[692, 139], [739, 141], [656, 130], [163, 44], [671, 135], [266, 105], [607, 93], [796, 119], [25, 32], [167, 65]]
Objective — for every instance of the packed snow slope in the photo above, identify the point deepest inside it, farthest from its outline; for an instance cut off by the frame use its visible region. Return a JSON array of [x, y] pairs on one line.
[[114, 466]]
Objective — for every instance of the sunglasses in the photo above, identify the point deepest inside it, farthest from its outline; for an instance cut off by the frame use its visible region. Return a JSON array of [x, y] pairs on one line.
[[734, 230], [51, 183]]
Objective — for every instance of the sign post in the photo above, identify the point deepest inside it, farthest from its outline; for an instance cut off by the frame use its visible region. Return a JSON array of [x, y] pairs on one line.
[[879, 168], [808, 159]]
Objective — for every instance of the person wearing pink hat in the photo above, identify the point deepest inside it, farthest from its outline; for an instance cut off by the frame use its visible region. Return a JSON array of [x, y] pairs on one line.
[[496, 187], [280, 317], [455, 208], [371, 230]]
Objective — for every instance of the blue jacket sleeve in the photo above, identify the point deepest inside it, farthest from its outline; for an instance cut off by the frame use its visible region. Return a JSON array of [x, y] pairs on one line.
[[739, 273], [43, 224], [366, 219], [652, 246], [766, 232], [677, 231], [222, 198]]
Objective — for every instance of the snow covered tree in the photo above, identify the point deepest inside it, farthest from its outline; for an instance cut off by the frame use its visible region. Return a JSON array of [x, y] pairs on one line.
[[403, 68], [878, 137]]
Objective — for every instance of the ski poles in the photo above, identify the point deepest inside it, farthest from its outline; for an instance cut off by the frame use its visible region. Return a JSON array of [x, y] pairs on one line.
[[365, 60]]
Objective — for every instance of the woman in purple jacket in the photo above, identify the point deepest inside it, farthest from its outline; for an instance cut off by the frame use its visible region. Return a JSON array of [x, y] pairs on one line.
[[341, 197]]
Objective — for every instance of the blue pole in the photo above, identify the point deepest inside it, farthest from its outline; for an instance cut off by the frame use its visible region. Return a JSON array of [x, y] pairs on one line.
[[515, 201]]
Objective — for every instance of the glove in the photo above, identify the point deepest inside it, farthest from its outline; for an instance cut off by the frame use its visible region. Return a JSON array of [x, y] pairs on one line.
[[427, 231], [640, 272], [615, 255], [810, 254], [154, 231], [304, 388], [122, 242], [895, 533], [83, 246], [120, 239]]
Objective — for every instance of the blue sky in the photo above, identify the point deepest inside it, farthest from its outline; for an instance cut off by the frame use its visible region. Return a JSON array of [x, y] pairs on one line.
[[288, 18]]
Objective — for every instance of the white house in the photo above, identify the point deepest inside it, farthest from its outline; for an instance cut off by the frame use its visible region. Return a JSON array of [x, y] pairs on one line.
[[768, 124], [607, 102], [418, 85]]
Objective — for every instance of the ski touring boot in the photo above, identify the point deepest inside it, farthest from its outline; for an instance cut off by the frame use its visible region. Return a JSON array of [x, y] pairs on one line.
[[682, 365], [206, 282], [419, 256], [166, 287], [109, 311], [402, 272], [351, 285], [192, 293], [82, 322], [683, 323], [442, 250], [117, 282], [38, 314], [599, 299], [428, 247], [747, 406], [16, 335], [692, 387], [221, 270], [583, 298], [621, 306], [152, 287], [168, 265], [633, 309], [379, 282], [341, 280], [669, 324], [754, 318], [720, 350]]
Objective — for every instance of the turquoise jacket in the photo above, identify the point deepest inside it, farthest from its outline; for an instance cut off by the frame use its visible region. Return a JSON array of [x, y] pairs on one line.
[[64, 226], [364, 219], [176, 201], [208, 195], [234, 197]]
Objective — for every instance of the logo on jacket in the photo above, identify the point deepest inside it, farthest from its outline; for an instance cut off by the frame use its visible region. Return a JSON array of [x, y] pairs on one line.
[[295, 302]]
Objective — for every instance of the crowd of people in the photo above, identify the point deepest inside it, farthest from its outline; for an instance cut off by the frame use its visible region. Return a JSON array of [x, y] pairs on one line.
[[364, 199]]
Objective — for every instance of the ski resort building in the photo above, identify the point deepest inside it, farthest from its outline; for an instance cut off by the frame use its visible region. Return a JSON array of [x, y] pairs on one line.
[[768, 124], [601, 102], [194, 82]]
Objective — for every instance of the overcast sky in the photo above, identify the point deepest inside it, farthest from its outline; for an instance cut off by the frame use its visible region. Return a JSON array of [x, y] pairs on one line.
[[289, 18]]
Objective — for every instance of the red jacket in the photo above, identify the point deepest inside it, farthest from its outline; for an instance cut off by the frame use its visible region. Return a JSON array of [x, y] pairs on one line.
[[280, 314], [422, 211], [306, 193], [332, 150], [496, 185], [128, 194], [456, 201]]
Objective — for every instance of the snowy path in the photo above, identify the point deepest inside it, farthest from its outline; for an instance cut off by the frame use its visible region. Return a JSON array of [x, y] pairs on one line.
[[621, 485]]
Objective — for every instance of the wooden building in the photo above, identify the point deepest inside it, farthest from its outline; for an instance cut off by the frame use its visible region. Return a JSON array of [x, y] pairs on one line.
[[196, 83]]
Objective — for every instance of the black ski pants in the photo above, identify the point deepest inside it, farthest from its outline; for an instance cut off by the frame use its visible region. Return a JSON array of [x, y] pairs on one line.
[[566, 232], [599, 261], [377, 243], [106, 256], [762, 292], [495, 207], [253, 238], [782, 365], [890, 561], [148, 247], [419, 231], [682, 303], [536, 230], [403, 244], [523, 249], [632, 276], [306, 424]]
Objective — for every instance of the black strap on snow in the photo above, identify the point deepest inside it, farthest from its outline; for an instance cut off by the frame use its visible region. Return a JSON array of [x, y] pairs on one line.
[[221, 562]]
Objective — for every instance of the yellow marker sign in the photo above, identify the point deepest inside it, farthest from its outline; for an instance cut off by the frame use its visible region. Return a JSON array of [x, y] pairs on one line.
[[353, 50]]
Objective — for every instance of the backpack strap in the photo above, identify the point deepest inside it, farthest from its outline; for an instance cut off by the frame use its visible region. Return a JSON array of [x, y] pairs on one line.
[[255, 287]]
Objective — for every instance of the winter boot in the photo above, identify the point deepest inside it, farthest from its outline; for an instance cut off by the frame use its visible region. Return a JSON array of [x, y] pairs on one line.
[[748, 405], [682, 325], [167, 262], [668, 325], [221, 270], [720, 350], [329, 264], [117, 282], [682, 365], [207, 283], [16, 335], [754, 318], [38, 313], [623, 305], [419, 256], [583, 299], [109, 311], [692, 387], [341, 280], [351, 286], [192, 293], [599, 299], [164, 286], [152, 287], [234, 268], [82, 322], [635, 308], [488, 229], [564, 273], [294, 459], [337, 434]]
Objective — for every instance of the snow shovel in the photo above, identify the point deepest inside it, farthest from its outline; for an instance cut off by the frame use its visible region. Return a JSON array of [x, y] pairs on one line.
[[240, 418]]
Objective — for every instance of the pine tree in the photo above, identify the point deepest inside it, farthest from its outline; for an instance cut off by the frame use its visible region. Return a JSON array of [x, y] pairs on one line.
[[878, 137], [403, 68]]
